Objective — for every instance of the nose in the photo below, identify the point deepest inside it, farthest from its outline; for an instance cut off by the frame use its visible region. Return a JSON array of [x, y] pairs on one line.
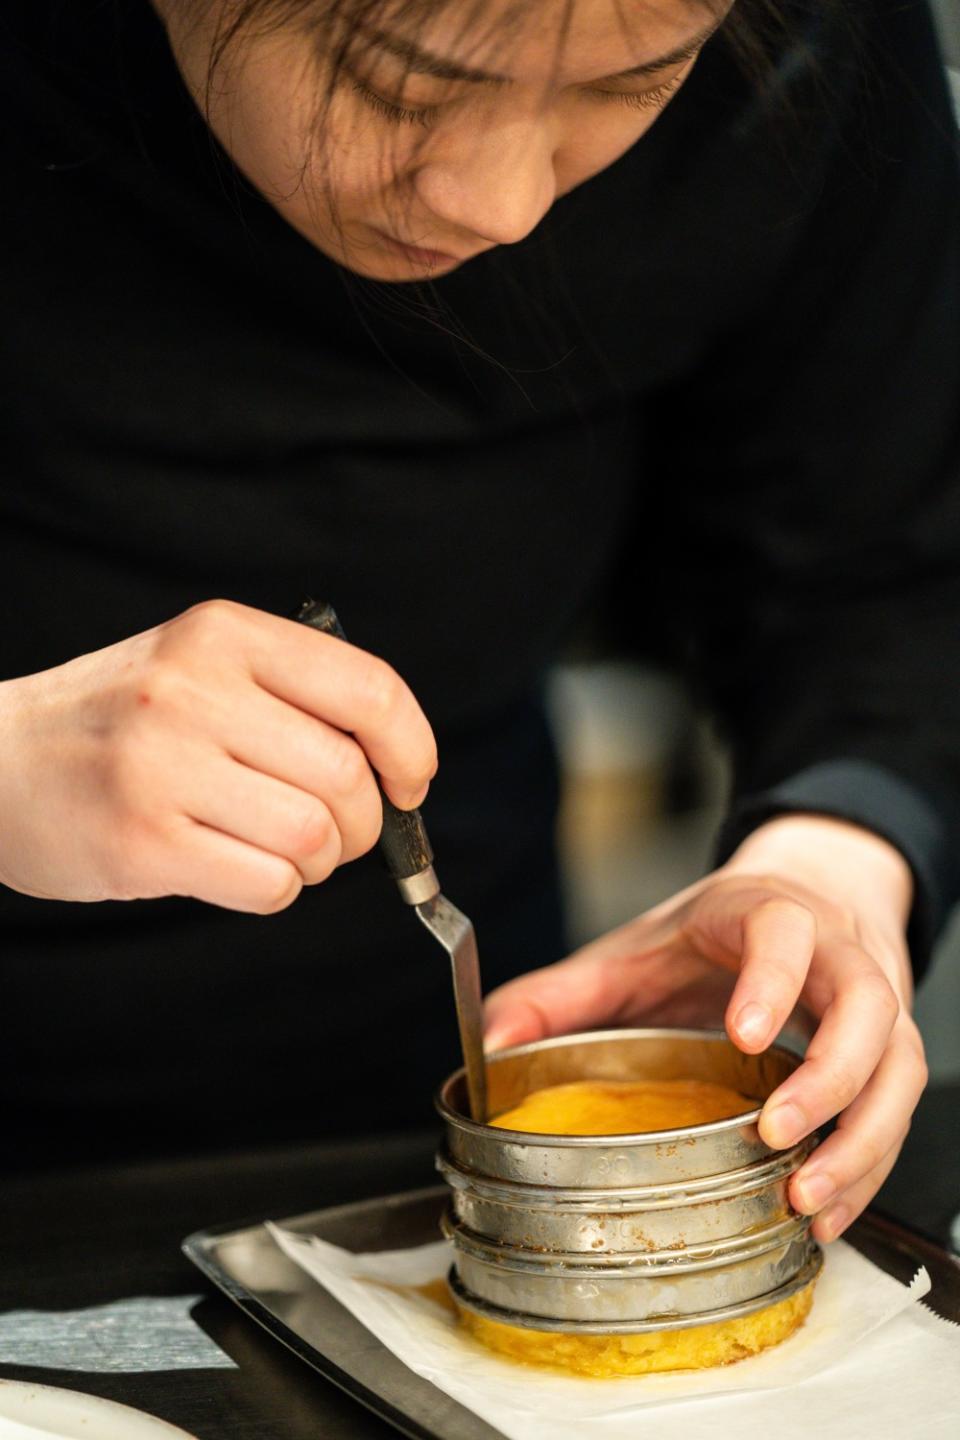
[[497, 184]]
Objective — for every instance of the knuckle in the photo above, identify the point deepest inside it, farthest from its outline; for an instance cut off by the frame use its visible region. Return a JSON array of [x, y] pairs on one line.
[[782, 910], [383, 690], [215, 612], [206, 623], [791, 908], [320, 868], [827, 914], [309, 829], [348, 767], [278, 889], [875, 989]]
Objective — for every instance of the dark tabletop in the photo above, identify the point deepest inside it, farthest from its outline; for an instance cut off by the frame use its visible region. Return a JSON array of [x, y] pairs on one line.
[[71, 1240]]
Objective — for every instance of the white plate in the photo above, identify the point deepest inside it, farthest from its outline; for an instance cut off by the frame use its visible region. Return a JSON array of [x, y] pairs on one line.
[[41, 1412]]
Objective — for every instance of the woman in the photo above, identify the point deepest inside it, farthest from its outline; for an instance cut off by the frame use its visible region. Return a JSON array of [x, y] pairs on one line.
[[451, 313]]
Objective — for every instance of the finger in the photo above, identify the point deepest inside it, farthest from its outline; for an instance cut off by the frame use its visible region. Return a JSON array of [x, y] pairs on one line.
[[569, 995], [779, 936], [275, 738], [843, 1053], [625, 973], [353, 690], [586, 989], [832, 1221], [868, 1130], [222, 870], [264, 812]]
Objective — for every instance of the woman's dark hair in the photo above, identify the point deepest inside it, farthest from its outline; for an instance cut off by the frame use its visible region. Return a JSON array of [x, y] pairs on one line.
[[755, 32]]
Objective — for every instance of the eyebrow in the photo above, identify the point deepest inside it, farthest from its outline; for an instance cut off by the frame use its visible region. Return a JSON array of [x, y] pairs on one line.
[[425, 62], [673, 57]]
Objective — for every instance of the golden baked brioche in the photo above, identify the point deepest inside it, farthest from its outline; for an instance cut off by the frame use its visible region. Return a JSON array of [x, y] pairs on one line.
[[605, 1356], [620, 1107]]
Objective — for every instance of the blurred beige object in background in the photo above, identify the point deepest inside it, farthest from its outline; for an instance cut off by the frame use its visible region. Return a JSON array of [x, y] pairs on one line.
[[625, 736], [948, 19]]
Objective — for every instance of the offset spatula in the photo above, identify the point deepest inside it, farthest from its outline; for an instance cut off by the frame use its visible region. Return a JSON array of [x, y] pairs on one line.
[[409, 858]]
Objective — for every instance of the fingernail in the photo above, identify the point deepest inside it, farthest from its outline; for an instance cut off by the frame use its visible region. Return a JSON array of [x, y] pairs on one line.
[[753, 1023], [783, 1125], [815, 1191], [830, 1224], [496, 1040]]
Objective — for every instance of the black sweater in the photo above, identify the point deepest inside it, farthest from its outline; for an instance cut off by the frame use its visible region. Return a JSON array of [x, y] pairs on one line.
[[724, 374]]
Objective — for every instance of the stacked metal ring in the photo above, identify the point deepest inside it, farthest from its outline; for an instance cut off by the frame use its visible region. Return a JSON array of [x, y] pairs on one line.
[[624, 1233]]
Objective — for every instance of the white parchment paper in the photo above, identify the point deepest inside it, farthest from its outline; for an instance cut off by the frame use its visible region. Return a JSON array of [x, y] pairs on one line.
[[141, 1333], [870, 1361]]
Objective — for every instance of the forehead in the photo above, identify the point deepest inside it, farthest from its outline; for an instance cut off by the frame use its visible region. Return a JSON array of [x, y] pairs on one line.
[[559, 38]]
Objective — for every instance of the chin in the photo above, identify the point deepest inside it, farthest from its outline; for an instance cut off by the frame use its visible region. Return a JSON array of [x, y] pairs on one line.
[[393, 270], [373, 260]]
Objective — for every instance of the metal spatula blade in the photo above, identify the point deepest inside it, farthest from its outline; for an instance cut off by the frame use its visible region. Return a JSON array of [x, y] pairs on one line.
[[457, 936], [409, 856]]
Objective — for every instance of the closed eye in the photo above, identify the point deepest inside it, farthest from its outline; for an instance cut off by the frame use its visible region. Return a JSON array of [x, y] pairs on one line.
[[397, 114], [424, 115], [640, 99]]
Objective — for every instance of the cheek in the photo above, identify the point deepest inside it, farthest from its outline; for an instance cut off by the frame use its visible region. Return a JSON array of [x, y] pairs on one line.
[[260, 110], [356, 160], [306, 154], [596, 140]]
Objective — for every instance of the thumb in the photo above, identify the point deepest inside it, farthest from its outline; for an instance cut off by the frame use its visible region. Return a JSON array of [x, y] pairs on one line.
[[590, 988]]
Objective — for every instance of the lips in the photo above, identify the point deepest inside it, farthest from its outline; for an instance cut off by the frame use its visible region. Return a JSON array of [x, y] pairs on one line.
[[432, 259]]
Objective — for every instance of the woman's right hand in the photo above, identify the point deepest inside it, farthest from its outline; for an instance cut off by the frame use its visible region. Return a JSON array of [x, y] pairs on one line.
[[227, 755]]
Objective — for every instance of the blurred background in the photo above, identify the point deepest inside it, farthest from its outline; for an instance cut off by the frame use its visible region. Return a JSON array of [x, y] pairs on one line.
[[948, 15]]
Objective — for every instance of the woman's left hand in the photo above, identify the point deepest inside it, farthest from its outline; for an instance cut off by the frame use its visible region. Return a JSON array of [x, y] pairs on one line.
[[808, 911]]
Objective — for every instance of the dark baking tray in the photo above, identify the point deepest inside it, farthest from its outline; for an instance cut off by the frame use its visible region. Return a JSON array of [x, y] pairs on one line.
[[246, 1264]]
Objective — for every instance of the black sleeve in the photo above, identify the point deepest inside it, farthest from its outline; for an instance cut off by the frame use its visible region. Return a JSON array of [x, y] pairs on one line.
[[816, 503]]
